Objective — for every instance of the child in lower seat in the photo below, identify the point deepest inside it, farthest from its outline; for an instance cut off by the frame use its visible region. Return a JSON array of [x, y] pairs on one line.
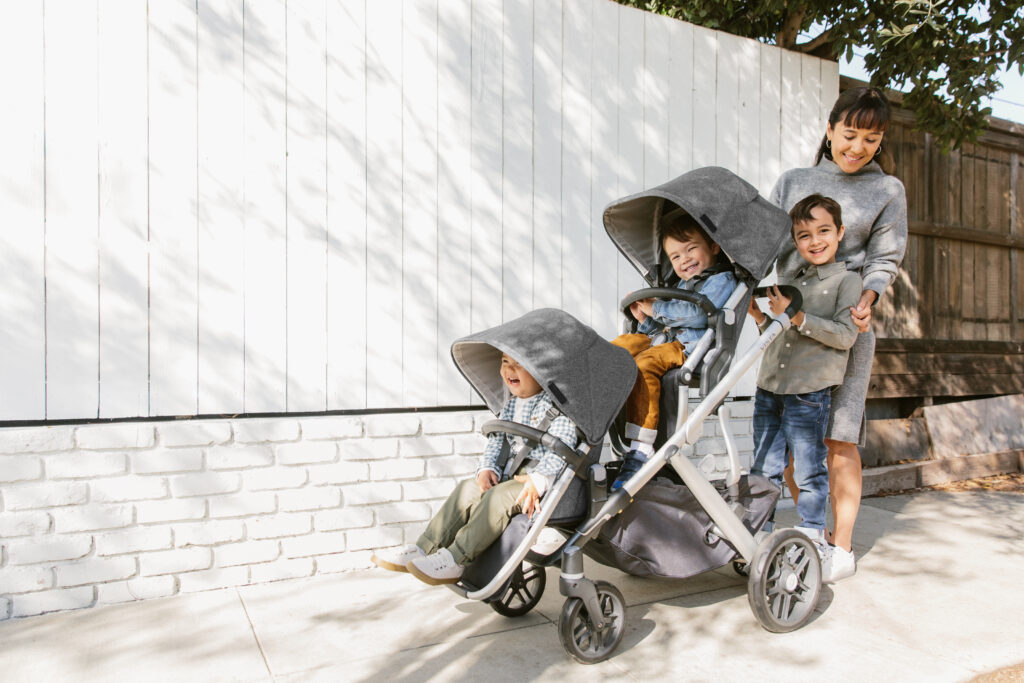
[[799, 370], [669, 329], [478, 510]]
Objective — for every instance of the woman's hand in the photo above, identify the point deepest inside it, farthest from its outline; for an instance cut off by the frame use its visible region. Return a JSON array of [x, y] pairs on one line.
[[529, 498], [485, 479], [862, 311]]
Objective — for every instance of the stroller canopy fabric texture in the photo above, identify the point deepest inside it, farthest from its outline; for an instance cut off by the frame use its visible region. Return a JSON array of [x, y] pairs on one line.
[[748, 228], [587, 378]]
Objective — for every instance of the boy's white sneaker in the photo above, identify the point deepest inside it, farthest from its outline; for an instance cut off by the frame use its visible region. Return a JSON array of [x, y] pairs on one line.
[[840, 564], [395, 559], [436, 569], [548, 541]]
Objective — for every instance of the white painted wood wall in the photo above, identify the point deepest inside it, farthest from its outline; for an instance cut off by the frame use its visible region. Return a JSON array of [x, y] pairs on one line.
[[228, 206]]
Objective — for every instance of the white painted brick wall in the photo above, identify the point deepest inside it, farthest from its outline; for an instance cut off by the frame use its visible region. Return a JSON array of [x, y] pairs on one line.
[[111, 513]]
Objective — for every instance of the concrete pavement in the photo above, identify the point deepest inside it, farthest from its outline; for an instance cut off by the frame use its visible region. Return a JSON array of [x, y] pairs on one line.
[[938, 597]]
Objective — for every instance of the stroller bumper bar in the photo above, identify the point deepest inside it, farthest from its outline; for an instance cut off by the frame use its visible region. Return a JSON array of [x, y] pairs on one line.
[[666, 293], [564, 451], [796, 298]]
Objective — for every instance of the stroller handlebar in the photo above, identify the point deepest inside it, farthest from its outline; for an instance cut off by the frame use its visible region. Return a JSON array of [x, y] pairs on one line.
[[665, 293], [796, 299]]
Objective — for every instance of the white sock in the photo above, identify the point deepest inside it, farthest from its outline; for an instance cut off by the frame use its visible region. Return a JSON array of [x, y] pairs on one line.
[[643, 449]]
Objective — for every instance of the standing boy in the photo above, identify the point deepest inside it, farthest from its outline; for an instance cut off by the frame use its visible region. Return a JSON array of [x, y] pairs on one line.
[[669, 329], [800, 369]]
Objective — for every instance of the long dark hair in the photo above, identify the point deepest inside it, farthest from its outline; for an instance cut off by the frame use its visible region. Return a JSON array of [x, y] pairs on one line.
[[863, 107]]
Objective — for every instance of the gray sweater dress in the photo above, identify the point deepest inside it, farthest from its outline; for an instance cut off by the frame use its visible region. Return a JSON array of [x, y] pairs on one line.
[[875, 215]]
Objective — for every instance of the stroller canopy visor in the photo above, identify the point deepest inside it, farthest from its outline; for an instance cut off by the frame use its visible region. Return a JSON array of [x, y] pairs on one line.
[[748, 228], [587, 378]]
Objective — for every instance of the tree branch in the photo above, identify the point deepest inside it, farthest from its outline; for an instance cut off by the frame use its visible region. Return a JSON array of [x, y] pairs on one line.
[[786, 38]]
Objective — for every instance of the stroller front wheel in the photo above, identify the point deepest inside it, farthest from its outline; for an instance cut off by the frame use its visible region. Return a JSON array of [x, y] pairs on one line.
[[523, 593], [785, 581], [580, 636]]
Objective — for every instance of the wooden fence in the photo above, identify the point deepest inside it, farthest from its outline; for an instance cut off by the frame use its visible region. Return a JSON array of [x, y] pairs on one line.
[[953, 324], [241, 206]]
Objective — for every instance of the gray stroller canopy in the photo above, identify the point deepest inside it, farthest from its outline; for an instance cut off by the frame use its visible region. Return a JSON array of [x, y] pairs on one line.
[[746, 226], [588, 378]]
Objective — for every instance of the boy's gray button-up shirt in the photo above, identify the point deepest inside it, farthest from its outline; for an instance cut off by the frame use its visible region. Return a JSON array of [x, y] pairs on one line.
[[813, 356]]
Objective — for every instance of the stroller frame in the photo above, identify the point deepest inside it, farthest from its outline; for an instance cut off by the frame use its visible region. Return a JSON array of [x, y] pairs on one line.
[[783, 569]]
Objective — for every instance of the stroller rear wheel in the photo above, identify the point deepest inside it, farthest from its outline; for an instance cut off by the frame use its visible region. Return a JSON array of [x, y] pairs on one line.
[[785, 581], [523, 593], [580, 636]]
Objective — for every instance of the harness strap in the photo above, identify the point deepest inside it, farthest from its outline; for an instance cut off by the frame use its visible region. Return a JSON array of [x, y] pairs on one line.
[[520, 452]]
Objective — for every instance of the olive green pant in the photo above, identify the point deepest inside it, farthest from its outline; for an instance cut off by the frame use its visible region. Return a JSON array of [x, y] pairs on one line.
[[471, 520]]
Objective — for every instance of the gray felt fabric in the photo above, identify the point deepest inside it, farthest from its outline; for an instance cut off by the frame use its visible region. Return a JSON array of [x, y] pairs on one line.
[[750, 230], [586, 377]]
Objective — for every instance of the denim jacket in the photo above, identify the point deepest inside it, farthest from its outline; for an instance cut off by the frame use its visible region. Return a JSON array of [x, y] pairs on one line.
[[685, 321]]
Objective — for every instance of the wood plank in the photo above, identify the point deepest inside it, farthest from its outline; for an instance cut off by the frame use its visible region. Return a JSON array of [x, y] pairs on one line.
[[962, 363], [346, 205], [680, 98], [307, 207], [454, 107], [1016, 198], [967, 279], [928, 286], [517, 157], [577, 171], [419, 205], [604, 134], [72, 255], [547, 148], [770, 115], [384, 203], [656, 99], [123, 210], [811, 125], [265, 208], [705, 75], [982, 237], [630, 159], [22, 194], [173, 199], [902, 386], [829, 94], [748, 137], [727, 85], [221, 209], [916, 345], [795, 147]]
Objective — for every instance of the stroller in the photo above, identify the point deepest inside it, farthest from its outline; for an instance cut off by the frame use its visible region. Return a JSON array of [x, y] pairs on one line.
[[651, 526]]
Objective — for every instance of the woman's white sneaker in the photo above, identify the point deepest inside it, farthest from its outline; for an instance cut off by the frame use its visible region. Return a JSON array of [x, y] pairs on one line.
[[436, 569], [395, 559], [839, 564]]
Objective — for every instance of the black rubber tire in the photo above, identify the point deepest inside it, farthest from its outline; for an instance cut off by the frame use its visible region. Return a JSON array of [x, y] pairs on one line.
[[523, 592], [578, 633], [785, 581]]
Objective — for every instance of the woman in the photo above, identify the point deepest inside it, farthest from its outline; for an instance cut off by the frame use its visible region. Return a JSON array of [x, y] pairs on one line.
[[849, 168]]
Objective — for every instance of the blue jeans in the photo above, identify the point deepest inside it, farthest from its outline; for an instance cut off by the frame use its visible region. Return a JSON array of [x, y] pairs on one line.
[[796, 421]]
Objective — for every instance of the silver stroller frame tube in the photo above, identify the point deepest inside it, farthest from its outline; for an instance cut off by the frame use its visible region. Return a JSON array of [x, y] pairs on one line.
[[540, 519], [725, 518]]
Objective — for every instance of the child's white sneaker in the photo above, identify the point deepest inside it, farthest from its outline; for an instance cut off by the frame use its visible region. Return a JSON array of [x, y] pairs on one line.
[[840, 564], [395, 559], [548, 541], [436, 569]]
